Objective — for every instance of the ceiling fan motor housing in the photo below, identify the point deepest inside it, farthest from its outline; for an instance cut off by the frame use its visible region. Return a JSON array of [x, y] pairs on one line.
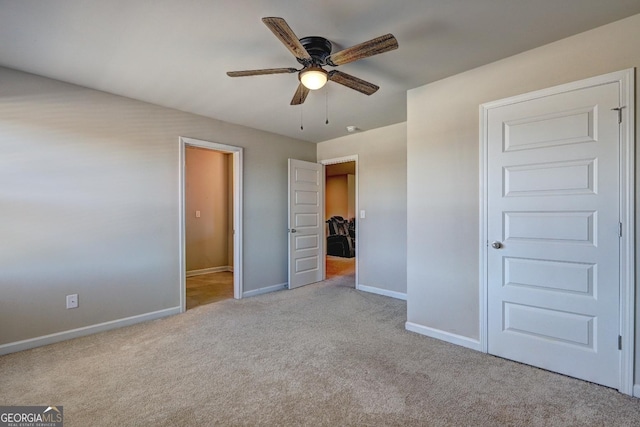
[[319, 49]]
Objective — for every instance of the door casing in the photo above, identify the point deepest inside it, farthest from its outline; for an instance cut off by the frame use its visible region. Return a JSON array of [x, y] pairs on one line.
[[334, 161], [237, 153], [625, 79]]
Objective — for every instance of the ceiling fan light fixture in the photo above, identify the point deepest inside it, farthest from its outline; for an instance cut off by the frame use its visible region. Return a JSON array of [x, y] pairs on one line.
[[313, 78], [313, 52]]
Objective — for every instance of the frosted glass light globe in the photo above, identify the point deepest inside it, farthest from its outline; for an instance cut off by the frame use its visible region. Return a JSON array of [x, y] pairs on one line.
[[313, 78]]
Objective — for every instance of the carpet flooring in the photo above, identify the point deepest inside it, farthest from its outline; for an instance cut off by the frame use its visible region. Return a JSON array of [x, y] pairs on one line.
[[321, 355]]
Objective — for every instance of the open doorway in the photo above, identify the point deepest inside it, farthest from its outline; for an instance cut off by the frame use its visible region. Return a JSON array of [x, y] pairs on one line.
[[208, 226], [340, 220], [211, 266]]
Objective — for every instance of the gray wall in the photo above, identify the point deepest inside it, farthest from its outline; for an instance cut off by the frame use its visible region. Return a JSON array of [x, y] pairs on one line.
[[89, 204], [443, 166], [382, 238]]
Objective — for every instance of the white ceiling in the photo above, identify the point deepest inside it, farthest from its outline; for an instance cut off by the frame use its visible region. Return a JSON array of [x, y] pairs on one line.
[[175, 53]]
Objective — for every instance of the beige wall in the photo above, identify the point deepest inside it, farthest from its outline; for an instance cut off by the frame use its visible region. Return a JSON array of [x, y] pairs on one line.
[[207, 190], [443, 165], [382, 162], [90, 204], [336, 196]]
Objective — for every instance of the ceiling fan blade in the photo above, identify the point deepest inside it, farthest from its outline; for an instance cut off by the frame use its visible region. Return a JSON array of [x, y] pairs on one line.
[[300, 95], [364, 50], [353, 82], [260, 72], [283, 32]]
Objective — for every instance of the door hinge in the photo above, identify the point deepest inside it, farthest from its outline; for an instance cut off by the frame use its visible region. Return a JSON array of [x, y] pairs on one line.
[[619, 229], [619, 342], [619, 110]]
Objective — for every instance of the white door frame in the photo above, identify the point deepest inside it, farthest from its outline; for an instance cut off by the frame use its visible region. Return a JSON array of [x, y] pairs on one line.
[[236, 152], [627, 202], [335, 161]]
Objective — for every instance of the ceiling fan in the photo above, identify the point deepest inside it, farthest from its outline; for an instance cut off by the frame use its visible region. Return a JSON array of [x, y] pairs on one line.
[[314, 53]]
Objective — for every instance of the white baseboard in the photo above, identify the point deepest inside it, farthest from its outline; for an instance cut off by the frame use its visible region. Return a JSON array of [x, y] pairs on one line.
[[86, 330], [380, 291], [220, 269], [444, 336], [265, 290], [636, 390]]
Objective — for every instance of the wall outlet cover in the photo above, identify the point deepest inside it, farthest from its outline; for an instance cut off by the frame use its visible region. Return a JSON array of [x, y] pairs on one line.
[[72, 301]]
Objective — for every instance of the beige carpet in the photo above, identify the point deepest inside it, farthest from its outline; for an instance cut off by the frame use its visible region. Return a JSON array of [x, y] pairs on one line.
[[321, 355]]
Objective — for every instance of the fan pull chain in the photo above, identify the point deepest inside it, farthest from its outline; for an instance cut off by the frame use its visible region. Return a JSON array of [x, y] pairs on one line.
[[326, 91], [301, 118]]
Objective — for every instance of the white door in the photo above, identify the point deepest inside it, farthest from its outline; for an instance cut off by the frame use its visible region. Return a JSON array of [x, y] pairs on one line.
[[306, 226], [553, 230]]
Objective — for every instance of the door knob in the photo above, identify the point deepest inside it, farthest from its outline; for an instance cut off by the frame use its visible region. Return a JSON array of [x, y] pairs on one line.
[[496, 245], [293, 230]]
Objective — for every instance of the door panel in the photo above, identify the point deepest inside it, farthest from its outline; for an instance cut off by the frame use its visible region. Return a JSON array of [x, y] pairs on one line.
[[559, 276], [550, 179], [306, 229], [553, 209], [549, 324]]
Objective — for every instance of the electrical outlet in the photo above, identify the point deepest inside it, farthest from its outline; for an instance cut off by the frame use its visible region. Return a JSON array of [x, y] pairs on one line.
[[72, 301]]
